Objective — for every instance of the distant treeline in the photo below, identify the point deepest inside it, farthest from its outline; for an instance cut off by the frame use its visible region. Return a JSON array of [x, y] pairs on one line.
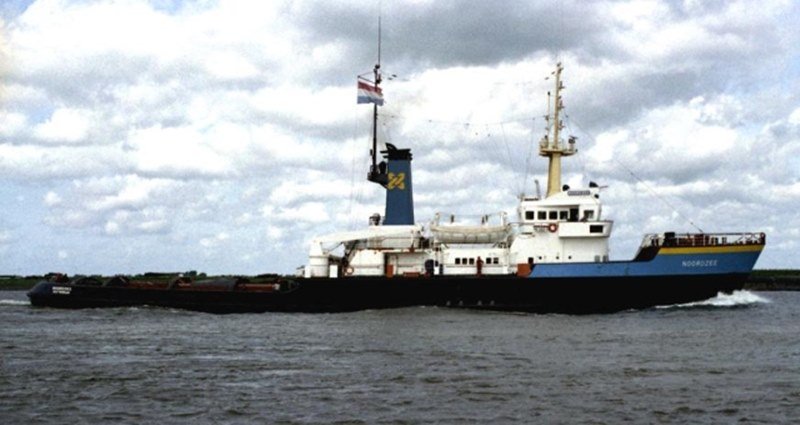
[[774, 280]]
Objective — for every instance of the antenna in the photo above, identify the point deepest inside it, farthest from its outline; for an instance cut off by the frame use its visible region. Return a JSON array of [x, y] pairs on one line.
[[379, 38]]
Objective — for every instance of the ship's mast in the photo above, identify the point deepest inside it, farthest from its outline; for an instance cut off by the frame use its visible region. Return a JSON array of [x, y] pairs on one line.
[[374, 151], [551, 145], [375, 173]]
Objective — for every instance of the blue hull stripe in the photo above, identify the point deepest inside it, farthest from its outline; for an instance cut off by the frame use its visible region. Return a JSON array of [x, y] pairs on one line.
[[661, 265]]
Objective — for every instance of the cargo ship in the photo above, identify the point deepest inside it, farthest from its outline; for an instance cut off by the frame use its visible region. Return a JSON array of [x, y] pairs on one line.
[[551, 257]]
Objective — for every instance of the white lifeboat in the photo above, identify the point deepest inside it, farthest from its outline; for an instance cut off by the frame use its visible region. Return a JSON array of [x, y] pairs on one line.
[[457, 233], [470, 234]]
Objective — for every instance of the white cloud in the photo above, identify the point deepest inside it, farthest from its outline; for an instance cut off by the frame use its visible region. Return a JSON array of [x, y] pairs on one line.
[[5, 238], [290, 192], [33, 162], [233, 123], [229, 66], [52, 199], [794, 117], [680, 142], [214, 241], [11, 124], [306, 212], [64, 125], [181, 151], [112, 228], [275, 233]]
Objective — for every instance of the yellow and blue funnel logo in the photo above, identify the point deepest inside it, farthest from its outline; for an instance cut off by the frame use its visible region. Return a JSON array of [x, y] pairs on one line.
[[396, 181]]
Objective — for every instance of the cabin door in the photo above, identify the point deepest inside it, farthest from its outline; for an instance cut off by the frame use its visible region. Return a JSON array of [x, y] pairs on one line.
[[389, 265], [573, 214]]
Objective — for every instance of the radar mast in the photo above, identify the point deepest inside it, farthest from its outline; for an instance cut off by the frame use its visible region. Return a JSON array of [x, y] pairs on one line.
[[551, 144]]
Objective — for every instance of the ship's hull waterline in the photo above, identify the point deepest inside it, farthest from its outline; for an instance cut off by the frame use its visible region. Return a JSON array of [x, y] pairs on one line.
[[549, 288], [507, 293]]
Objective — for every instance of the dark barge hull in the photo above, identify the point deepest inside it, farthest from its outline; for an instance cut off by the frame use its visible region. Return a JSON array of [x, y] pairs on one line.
[[507, 293]]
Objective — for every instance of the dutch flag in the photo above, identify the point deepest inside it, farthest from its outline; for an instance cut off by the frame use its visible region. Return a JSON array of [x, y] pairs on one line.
[[368, 93]]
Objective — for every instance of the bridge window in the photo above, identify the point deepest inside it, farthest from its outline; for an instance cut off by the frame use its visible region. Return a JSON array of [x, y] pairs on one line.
[[458, 261], [563, 215], [528, 215], [553, 215], [596, 228], [542, 215]]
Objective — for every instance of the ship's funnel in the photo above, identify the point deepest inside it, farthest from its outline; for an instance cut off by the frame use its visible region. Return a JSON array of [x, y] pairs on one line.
[[399, 192]]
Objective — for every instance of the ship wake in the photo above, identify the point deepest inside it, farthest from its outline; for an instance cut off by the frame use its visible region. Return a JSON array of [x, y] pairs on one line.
[[14, 302], [742, 298]]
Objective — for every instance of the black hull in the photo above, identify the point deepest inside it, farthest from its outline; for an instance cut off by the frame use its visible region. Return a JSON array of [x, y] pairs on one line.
[[553, 295]]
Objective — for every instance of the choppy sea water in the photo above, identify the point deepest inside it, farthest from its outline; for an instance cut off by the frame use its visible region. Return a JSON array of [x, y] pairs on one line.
[[730, 359]]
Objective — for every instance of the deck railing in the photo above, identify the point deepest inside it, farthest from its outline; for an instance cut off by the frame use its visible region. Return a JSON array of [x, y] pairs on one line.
[[703, 239]]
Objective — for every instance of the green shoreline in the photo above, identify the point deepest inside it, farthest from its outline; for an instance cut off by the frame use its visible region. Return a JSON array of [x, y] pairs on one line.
[[759, 280], [774, 280]]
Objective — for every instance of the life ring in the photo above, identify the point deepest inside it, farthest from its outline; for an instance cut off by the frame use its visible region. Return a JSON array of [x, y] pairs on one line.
[[349, 270], [552, 227]]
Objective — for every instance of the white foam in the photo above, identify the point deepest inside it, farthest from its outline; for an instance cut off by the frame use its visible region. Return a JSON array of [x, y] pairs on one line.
[[14, 302], [734, 299]]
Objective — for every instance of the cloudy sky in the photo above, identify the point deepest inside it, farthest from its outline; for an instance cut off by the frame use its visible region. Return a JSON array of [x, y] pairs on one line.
[[221, 136]]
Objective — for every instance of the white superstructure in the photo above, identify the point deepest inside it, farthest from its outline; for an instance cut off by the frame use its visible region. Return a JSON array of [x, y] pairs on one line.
[[564, 226]]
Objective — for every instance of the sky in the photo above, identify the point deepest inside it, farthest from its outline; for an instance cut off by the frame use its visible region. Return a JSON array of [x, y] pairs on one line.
[[222, 136]]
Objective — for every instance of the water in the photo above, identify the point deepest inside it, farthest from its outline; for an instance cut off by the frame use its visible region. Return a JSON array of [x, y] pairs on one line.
[[731, 359]]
